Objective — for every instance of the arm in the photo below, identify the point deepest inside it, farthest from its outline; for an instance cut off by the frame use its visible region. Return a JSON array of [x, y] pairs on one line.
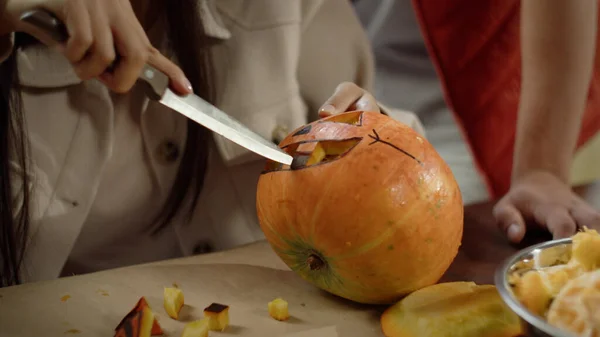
[[558, 40]]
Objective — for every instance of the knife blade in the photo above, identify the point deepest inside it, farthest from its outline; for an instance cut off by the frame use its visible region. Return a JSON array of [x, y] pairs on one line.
[[156, 86]]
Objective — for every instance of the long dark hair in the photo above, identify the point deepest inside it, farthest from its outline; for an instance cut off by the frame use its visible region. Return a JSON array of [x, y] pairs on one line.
[[193, 57]]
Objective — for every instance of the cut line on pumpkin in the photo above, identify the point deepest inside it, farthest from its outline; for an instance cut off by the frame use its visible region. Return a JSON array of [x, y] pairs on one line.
[[352, 118], [323, 152], [377, 139]]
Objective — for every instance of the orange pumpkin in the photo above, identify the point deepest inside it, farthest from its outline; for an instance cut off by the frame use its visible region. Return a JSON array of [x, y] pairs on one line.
[[367, 211]]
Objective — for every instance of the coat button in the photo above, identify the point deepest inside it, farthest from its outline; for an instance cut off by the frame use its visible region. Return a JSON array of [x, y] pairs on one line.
[[168, 152], [203, 248], [279, 133]]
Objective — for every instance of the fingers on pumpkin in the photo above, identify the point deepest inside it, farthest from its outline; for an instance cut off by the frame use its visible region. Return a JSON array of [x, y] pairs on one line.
[[346, 97], [367, 103]]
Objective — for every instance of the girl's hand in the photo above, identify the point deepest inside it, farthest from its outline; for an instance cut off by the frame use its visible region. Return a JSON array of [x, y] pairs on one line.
[[98, 29], [347, 97], [546, 200]]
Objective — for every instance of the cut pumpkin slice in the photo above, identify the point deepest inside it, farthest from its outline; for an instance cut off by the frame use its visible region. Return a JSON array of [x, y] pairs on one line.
[[457, 309]]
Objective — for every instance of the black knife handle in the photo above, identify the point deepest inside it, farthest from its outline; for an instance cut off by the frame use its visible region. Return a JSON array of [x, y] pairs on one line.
[[155, 82]]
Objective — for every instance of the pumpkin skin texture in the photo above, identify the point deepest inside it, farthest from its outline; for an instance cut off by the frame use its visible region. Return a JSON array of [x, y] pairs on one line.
[[454, 309], [367, 211]]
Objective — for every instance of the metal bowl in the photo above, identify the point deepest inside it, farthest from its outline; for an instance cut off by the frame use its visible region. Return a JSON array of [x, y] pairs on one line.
[[538, 256]]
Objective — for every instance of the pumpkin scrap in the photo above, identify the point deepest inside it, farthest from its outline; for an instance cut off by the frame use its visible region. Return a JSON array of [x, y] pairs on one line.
[[565, 293], [457, 309], [218, 316], [278, 309], [173, 301], [585, 249], [537, 286], [536, 290], [139, 322], [367, 210], [73, 332], [197, 328]]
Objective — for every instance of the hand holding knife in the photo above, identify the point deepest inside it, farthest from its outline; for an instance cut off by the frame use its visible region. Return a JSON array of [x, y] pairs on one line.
[[157, 88]]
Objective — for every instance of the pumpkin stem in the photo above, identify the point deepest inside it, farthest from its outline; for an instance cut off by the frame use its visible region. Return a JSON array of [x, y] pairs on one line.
[[315, 262]]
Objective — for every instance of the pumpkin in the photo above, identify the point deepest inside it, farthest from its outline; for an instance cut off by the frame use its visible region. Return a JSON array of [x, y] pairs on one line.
[[367, 210], [457, 309]]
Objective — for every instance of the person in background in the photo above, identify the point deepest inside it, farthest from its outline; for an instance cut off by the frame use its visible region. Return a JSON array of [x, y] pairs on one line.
[[506, 107], [94, 176]]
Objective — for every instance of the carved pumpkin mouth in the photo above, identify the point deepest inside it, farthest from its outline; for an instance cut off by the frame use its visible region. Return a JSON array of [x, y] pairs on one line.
[[352, 118], [314, 152]]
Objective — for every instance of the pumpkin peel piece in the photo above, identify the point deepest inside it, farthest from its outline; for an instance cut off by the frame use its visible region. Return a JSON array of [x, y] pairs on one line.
[[173, 301], [458, 309], [139, 322]]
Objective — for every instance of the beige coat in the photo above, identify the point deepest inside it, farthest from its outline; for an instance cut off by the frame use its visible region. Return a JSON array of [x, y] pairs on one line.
[[100, 160]]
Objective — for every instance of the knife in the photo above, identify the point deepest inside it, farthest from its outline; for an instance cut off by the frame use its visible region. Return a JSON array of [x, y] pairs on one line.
[[156, 85]]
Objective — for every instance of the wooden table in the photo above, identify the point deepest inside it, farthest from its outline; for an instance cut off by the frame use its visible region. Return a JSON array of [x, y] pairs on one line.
[[246, 278]]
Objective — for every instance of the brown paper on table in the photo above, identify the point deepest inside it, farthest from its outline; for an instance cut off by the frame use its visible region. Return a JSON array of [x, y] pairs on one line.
[[330, 331], [99, 301]]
